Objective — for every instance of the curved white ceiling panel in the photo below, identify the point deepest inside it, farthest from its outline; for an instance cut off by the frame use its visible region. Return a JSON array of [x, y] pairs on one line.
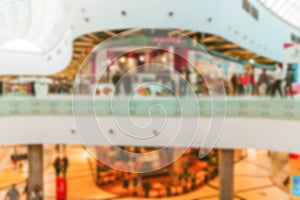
[[48, 23], [42, 27]]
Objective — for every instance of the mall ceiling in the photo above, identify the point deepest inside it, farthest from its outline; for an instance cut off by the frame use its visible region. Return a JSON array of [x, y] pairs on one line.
[[84, 44], [287, 10]]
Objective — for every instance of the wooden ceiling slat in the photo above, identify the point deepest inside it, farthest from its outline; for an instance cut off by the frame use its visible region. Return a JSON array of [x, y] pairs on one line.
[[96, 38], [87, 44], [211, 39], [109, 32], [87, 39], [222, 47], [80, 49]]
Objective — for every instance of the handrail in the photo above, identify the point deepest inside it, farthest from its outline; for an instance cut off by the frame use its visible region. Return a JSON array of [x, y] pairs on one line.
[[235, 107]]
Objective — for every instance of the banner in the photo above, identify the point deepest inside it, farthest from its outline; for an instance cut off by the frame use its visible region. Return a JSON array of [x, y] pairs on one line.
[[61, 188], [292, 58]]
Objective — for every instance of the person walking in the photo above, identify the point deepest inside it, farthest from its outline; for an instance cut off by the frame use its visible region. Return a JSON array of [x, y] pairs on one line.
[[12, 194], [289, 81], [278, 76]]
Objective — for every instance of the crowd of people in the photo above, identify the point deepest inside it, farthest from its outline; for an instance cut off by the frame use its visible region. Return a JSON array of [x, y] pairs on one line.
[[186, 81], [267, 84]]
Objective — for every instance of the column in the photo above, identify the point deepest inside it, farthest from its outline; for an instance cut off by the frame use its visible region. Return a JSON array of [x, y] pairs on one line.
[[226, 174], [94, 68], [35, 159]]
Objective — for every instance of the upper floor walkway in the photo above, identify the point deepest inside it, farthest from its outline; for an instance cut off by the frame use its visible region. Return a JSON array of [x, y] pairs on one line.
[[247, 122]]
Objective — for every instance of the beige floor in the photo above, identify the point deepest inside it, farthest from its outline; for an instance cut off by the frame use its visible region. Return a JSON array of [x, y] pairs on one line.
[[251, 181]]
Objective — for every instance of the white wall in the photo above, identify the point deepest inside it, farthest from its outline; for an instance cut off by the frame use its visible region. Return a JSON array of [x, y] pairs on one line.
[[281, 135]]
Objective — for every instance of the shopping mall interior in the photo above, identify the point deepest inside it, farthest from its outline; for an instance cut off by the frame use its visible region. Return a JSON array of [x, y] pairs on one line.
[[144, 99]]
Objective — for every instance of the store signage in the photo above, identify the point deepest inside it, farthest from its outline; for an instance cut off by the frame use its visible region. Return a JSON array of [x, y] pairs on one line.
[[61, 188], [291, 53], [294, 156], [296, 185], [162, 40]]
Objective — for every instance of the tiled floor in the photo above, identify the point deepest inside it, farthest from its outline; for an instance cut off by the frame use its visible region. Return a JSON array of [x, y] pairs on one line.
[[251, 181]]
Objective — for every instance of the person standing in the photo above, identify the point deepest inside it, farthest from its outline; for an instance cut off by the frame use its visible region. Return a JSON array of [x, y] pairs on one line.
[[127, 83], [234, 84], [278, 76], [264, 80], [115, 79], [239, 82], [57, 166], [65, 165], [289, 81], [183, 81], [248, 82], [12, 194], [199, 83]]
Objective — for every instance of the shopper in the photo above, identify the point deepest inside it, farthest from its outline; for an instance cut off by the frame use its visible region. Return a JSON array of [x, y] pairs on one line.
[[115, 79], [13, 193], [289, 81], [278, 76], [57, 166], [234, 84], [37, 193], [183, 81], [248, 82], [199, 84], [127, 83], [264, 80], [65, 165], [239, 82]]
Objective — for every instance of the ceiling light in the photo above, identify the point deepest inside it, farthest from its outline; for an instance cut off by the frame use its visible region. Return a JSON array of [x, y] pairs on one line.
[[141, 58], [123, 59], [251, 61]]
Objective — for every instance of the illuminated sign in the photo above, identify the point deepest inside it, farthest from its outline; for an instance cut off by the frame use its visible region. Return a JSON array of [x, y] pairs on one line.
[[162, 40]]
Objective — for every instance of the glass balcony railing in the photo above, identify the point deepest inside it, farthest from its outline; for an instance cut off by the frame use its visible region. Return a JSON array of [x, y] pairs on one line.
[[235, 107]]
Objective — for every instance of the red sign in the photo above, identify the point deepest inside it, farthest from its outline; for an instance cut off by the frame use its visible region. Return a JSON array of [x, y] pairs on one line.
[[294, 156], [61, 188]]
